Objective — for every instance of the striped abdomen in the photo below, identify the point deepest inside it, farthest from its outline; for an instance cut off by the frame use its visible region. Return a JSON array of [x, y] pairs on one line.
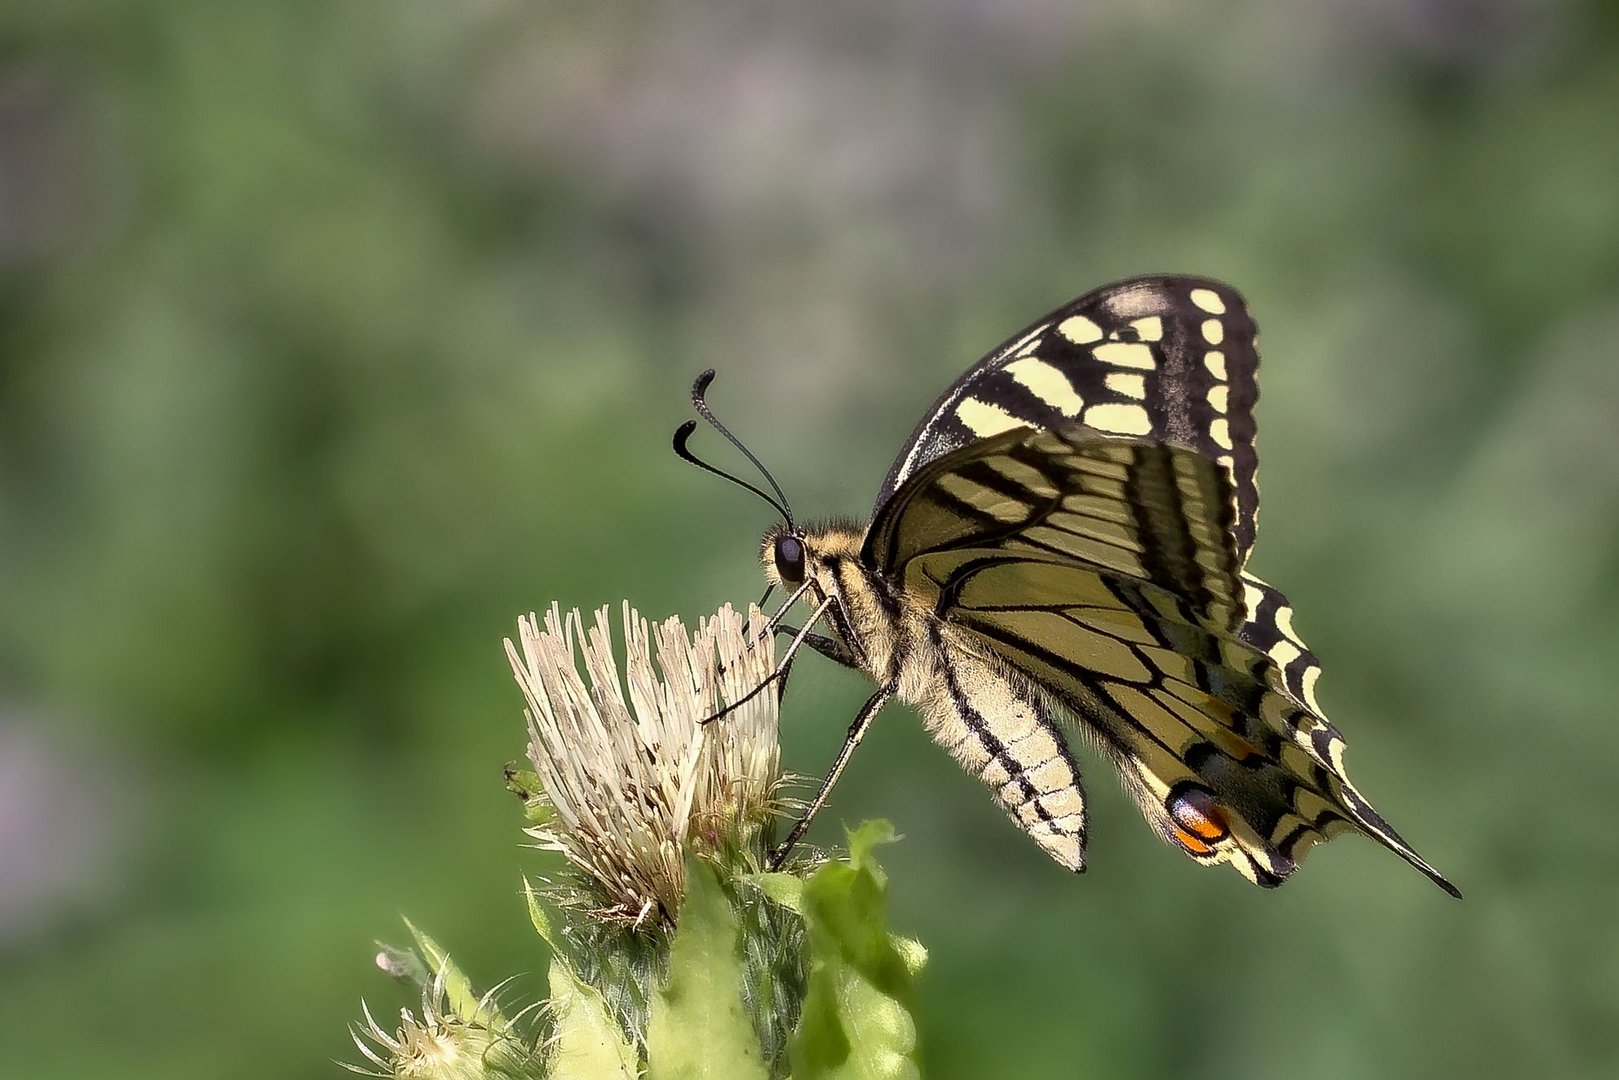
[[995, 725]]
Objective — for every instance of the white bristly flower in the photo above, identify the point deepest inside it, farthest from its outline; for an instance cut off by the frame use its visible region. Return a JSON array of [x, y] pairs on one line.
[[440, 1046], [635, 777]]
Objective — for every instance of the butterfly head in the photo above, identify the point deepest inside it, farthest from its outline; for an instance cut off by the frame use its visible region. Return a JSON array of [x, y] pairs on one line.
[[795, 554], [785, 556]]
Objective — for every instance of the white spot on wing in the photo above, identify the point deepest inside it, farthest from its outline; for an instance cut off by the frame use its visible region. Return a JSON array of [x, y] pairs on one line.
[[1220, 432], [1213, 331], [1218, 394], [1127, 383], [1284, 621], [1080, 330], [1284, 653], [1123, 419], [1150, 328], [1311, 674], [1335, 754], [1045, 382], [1214, 360], [984, 419], [1126, 354], [1209, 301]]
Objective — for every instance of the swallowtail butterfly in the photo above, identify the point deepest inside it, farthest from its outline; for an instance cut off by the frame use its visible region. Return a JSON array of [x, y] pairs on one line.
[[1063, 539]]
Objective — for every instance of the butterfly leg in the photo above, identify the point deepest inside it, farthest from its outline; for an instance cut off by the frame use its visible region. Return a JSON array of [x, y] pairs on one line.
[[823, 645], [857, 731], [830, 648], [779, 676]]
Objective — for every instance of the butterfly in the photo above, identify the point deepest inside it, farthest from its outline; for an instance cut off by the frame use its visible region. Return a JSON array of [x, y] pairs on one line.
[[1062, 542]]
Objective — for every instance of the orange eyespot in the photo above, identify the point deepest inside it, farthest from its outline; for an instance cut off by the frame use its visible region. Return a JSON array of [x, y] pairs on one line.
[[1198, 818]]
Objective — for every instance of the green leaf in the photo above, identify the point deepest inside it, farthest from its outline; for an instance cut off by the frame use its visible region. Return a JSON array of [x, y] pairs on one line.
[[698, 1027], [540, 917], [464, 1002], [586, 1043], [785, 889], [857, 1022]]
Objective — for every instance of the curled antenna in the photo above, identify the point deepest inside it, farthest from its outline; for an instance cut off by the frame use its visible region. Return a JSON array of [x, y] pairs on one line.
[[684, 432]]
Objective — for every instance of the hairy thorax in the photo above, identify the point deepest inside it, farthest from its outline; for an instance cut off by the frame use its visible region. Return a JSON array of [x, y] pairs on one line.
[[987, 716], [887, 633]]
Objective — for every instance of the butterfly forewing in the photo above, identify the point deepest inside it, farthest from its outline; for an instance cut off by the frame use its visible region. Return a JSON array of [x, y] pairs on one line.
[[1169, 359]]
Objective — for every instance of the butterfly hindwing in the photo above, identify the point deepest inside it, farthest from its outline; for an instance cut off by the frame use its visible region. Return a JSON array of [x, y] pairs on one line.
[[1170, 359], [1103, 569]]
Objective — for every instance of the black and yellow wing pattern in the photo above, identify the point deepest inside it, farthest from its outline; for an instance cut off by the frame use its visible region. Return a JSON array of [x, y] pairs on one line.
[[1172, 359], [1090, 530]]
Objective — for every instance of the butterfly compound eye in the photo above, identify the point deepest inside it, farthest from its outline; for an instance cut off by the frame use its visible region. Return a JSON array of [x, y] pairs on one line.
[[790, 559]]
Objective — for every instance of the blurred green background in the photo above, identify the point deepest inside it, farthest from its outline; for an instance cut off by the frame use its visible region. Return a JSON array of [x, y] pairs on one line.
[[334, 335]]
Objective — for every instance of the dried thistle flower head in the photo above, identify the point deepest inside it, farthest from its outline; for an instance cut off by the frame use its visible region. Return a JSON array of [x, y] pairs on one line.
[[636, 778], [439, 1045]]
